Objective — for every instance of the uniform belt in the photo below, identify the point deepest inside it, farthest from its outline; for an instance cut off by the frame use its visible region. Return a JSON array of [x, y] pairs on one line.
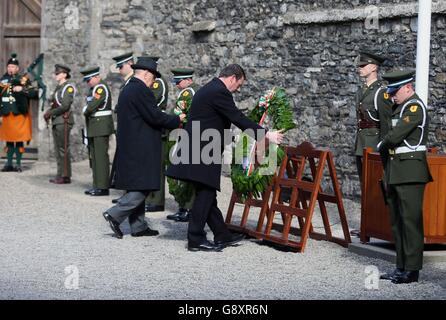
[[102, 113], [401, 150], [363, 124]]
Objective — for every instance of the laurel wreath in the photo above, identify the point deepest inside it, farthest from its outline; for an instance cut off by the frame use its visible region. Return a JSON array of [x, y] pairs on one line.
[[248, 180]]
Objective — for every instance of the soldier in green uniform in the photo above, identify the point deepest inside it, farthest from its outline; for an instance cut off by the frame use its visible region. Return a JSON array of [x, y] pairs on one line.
[[61, 121], [16, 127], [124, 63], [99, 123], [373, 109], [184, 193], [406, 173], [156, 199]]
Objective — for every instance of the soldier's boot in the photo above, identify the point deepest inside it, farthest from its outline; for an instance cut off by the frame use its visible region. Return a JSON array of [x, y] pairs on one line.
[[392, 275], [184, 216], [177, 214], [406, 277]]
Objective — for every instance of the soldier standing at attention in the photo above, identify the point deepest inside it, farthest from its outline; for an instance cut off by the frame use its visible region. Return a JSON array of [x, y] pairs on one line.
[[406, 173], [62, 121], [16, 128], [124, 63], [99, 122], [183, 79], [373, 109], [156, 199]]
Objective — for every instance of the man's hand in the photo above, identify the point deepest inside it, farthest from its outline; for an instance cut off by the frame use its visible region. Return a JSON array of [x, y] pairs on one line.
[[275, 136], [17, 88], [182, 117]]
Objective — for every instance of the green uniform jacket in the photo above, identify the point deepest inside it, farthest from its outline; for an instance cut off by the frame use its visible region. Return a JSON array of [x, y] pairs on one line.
[[160, 90], [16, 102], [373, 105], [61, 101], [410, 127], [98, 111]]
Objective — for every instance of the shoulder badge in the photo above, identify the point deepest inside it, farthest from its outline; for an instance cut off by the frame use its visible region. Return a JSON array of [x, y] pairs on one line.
[[156, 85], [185, 93], [406, 119], [414, 108], [386, 96], [100, 90], [70, 90]]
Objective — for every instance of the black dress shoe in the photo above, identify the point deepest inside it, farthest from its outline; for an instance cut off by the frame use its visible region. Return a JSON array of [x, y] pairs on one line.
[[205, 246], [18, 169], [176, 215], [355, 233], [99, 192], [114, 225], [235, 238], [150, 208], [406, 277], [116, 200], [391, 275], [146, 233], [184, 216], [8, 169], [89, 191]]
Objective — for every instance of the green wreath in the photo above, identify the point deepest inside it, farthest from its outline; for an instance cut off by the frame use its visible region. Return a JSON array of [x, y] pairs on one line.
[[246, 180], [181, 191]]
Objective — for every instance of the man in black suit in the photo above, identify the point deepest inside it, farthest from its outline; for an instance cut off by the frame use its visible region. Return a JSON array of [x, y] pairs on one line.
[[138, 156], [213, 108]]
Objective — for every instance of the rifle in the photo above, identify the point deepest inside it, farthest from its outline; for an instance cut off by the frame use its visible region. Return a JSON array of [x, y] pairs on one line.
[[36, 70]]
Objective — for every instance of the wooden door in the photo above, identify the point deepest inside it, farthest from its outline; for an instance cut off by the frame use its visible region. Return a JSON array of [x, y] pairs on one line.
[[20, 23]]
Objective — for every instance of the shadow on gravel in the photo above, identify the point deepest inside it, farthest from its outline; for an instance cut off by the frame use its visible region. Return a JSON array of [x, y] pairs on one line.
[[174, 230]]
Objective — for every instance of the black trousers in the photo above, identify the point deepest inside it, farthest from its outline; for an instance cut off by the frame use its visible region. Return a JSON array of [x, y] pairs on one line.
[[205, 210]]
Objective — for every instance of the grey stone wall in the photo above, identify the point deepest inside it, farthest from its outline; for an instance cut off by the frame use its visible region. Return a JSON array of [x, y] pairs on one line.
[[308, 47]]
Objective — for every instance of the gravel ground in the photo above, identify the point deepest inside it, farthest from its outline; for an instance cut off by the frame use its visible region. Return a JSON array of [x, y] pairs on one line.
[[46, 228]]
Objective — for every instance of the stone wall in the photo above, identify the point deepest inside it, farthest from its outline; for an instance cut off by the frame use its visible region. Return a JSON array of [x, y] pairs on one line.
[[308, 47]]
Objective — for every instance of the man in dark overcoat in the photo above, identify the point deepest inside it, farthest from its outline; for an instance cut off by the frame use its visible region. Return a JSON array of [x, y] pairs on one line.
[[138, 157], [213, 108]]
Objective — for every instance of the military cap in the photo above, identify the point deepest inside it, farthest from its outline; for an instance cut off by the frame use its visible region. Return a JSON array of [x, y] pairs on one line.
[[181, 73], [90, 73], [146, 63], [397, 79], [13, 59], [155, 59], [59, 68], [366, 58], [123, 58]]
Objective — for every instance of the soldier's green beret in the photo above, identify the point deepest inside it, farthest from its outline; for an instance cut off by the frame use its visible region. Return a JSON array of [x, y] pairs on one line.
[[90, 73], [397, 79], [366, 58], [181, 73], [123, 58]]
